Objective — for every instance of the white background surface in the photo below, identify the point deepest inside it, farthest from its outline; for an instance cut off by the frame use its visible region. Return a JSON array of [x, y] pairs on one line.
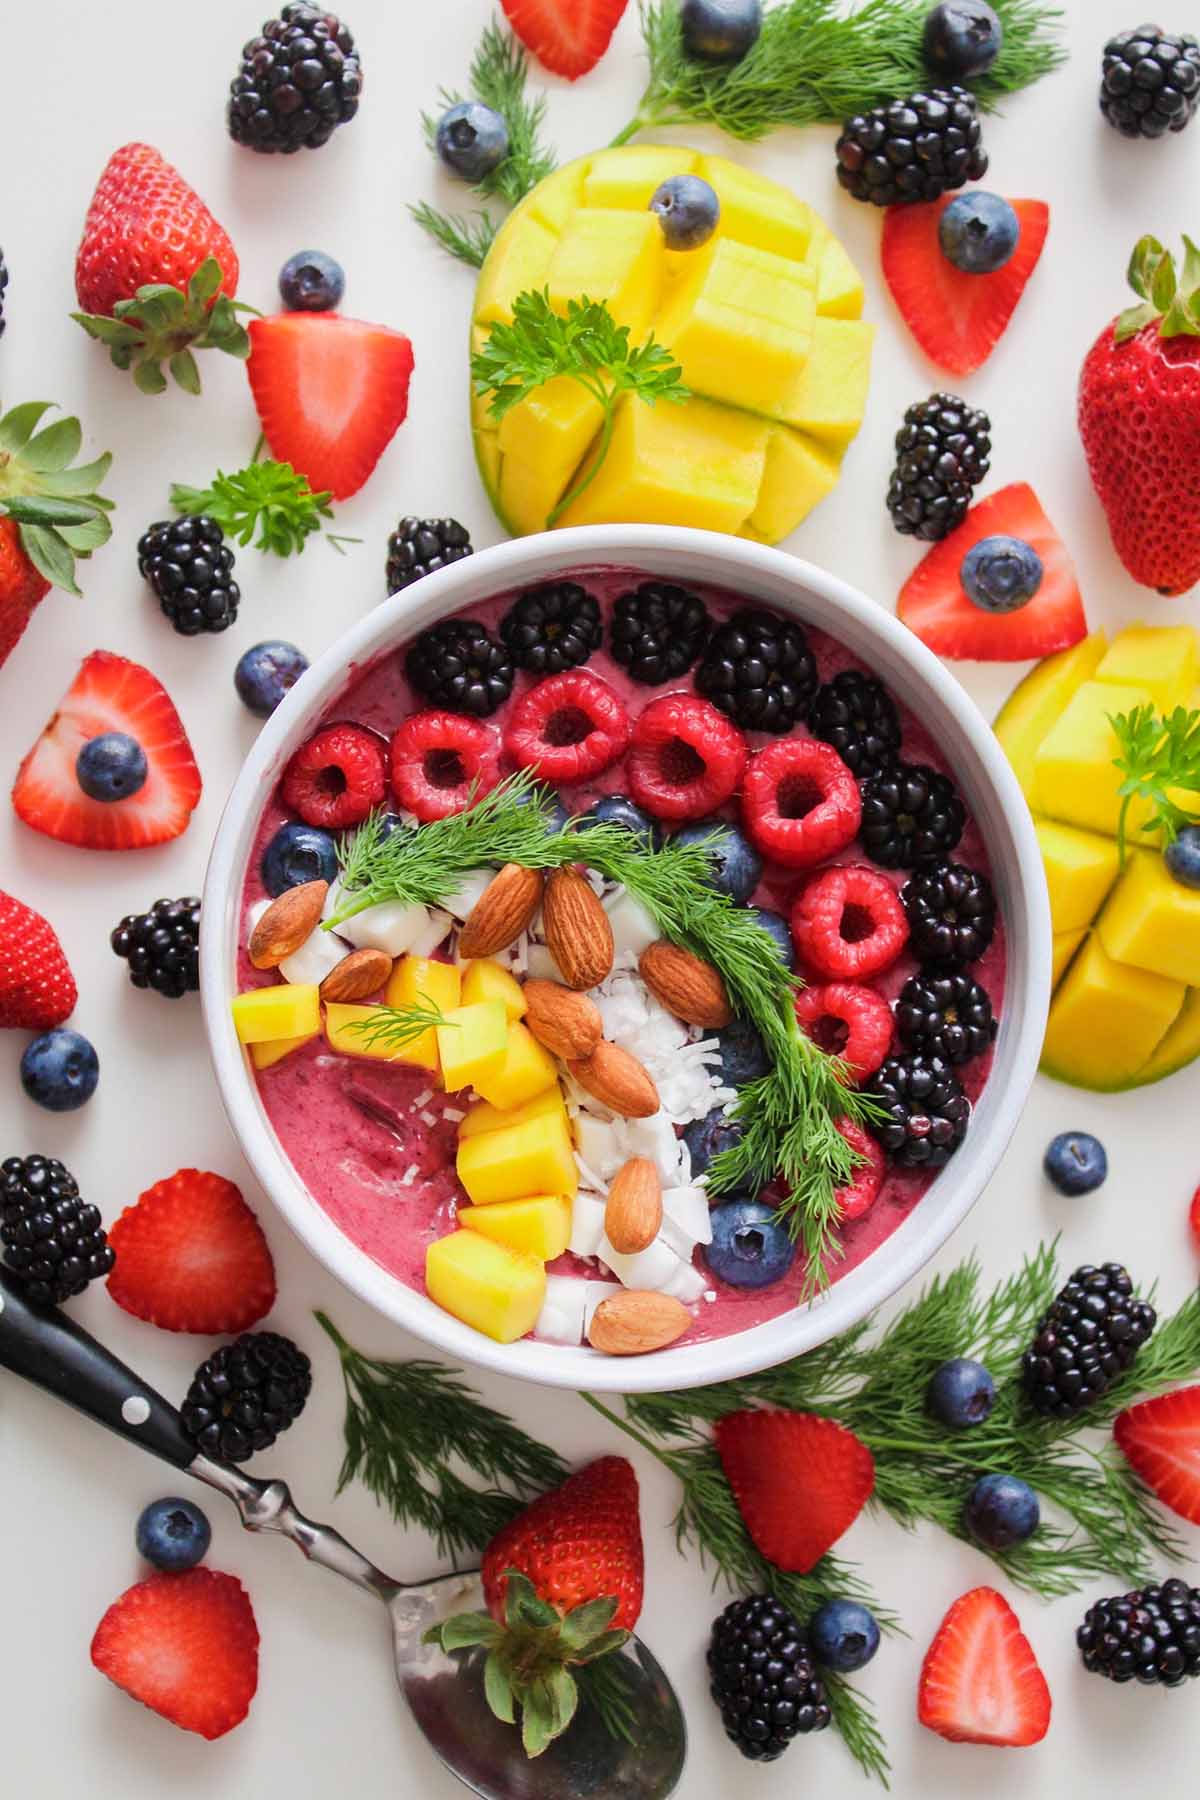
[[326, 1716]]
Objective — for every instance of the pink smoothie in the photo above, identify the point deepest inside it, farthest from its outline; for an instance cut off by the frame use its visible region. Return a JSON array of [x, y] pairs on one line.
[[375, 1145]]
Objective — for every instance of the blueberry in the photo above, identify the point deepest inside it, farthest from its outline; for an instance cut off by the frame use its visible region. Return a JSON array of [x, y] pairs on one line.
[[962, 38], [265, 672], [1001, 574], [173, 1534], [618, 809], [558, 812], [777, 927], [743, 1054], [111, 767], [310, 281], [736, 864], [298, 853], [720, 30], [1001, 1511], [688, 211], [844, 1635], [749, 1249], [472, 139], [60, 1070], [978, 233], [1076, 1162], [961, 1393], [1183, 857], [707, 1137]]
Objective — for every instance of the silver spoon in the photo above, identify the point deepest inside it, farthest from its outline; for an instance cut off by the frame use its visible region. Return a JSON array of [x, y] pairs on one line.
[[443, 1693]]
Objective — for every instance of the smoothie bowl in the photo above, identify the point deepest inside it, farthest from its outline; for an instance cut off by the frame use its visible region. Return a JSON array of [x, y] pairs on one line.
[[625, 958]]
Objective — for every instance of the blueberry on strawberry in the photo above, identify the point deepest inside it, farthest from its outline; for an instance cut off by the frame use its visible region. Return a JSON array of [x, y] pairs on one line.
[[735, 865], [296, 854], [749, 1248], [1001, 574], [979, 232], [111, 766], [336, 778], [310, 281], [688, 210], [173, 1534], [471, 139], [60, 1069]]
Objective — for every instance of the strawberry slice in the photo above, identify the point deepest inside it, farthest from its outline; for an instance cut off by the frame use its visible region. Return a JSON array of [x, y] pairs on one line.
[[191, 1256], [1160, 1440], [110, 694], [980, 1681], [186, 1646], [800, 1482], [568, 37], [934, 603], [37, 988], [331, 394], [1194, 1217], [957, 319]]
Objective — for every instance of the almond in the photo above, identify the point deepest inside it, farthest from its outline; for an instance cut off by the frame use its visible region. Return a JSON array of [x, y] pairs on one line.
[[567, 1023], [685, 984], [357, 976], [577, 928], [287, 923], [637, 1320], [616, 1079], [634, 1210], [502, 912]]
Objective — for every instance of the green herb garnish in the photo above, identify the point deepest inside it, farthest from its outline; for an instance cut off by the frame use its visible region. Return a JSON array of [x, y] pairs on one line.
[[815, 65], [166, 324], [398, 1026], [1160, 758], [268, 497], [1166, 298]]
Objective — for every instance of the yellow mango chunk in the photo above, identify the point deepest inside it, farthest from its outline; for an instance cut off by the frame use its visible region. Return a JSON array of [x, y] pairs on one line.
[[757, 211], [1107, 1019], [518, 260], [472, 1043], [1180, 1047], [419, 979], [290, 1010], [265, 1056], [628, 177], [1033, 706], [487, 455], [839, 284], [1065, 944], [485, 1284], [1153, 921], [1074, 779], [535, 1157], [528, 493], [539, 1226], [1080, 869], [555, 199], [829, 397], [554, 425], [344, 1032], [797, 475], [612, 256], [689, 464], [740, 324], [485, 1117], [1160, 658], [487, 980], [527, 1070]]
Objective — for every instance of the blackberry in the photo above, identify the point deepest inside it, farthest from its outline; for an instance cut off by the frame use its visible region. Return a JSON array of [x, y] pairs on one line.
[[914, 149], [658, 631], [190, 567], [51, 1239], [951, 913], [1150, 81], [910, 814], [942, 454], [162, 947], [859, 718], [759, 670], [944, 1013], [1089, 1336], [763, 1678], [298, 80], [925, 1110], [3, 289], [419, 546], [459, 665], [245, 1394], [553, 628], [1150, 1635]]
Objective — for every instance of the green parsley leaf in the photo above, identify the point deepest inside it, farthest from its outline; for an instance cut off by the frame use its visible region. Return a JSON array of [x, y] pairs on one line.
[[267, 497]]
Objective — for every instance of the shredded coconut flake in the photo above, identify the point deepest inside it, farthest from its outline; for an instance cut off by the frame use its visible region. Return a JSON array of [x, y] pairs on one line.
[[428, 1118], [409, 1175], [422, 1099]]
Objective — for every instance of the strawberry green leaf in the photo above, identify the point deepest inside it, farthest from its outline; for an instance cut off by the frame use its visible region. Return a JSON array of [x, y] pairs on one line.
[[498, 1691], [53, 448], [148, 378], [49, 556], [19, 425], [185, 372], [604, 1645], [83, 480], [205, 282], [466, 1631], [43, 509], [83, 539], [583, 1623]]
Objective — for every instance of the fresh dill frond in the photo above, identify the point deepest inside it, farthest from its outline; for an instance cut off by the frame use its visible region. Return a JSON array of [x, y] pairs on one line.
[[466, 236], [606, 1686], [269, 497], [1159, 760], [394, 1027]]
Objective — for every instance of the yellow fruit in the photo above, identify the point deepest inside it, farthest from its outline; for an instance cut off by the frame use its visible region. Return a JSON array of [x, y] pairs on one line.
[[617, 257], [756, 210], [485, 1284], [740, 324], [1074, 779], [266, 1055], [839, 284], [797, 475], [1031, 710], [484, 1117], [518, 261], [628, 178], [1080, 869], [1066, 943], [1160, 658], [1180, 1046], [487, 980], [1107, 1019], [829, 396], [1152, 921], [554, 200], [540, 1226], [535, 1157], [418, 979], [472, 1043], [266, 1014], [344, 1033], [527, 1070]]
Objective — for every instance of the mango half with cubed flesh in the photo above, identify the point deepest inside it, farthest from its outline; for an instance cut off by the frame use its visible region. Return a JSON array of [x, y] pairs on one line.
[[1126, 964], [764, 321]]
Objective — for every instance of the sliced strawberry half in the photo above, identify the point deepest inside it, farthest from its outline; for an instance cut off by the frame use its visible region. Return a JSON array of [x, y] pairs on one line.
[[799, 1480], [957, 319], [568, 37], [980, 1682], [186, 1646], [110, 694], [1194, 1217], [191, 1256], [331, 394], [1160, 1440], [934, 603]]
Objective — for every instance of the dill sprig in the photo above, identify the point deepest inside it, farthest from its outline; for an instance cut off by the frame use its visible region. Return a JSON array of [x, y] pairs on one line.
[[814, 65], [398, 1026], [498, 75], [1159, 761]]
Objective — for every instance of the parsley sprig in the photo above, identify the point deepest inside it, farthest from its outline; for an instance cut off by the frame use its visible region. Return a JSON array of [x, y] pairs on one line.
[[268, 497], [1159, 760]]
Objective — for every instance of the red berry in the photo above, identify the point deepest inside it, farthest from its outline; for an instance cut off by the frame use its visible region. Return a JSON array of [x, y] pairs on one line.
[[581, 1541], [800, 803], [980, 1681], [799, 1481], [862, 1190], [1160, 1440], [191, 1256], [336, 778], [848, 923], [1195, 1217], [145, 225], [686, 760], [441, 762], [567, 36], [184, 1645], [849, 1021], [569, 728], [37, 988]]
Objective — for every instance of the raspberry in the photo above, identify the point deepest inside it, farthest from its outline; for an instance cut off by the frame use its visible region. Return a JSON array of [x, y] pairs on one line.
[[441, 762], [848, 923], [686, 758], [800, 803], [569, 728], [1195, 1217], [337, 777], [849, 1021], [862, 1190]]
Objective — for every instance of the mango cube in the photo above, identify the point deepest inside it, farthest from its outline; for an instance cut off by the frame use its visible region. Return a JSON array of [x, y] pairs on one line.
[[487, 456], [527, 1070], [472, 1043], [555, 199], [628, 178], [487, 980], [265, 1056], [1160, 658], [1080, 869], [345, 1031], [693, 463], [612, 256], [528, 493], [1074, 779], [420, 980], [535, 1157], [554, 425], [519, 260], [740, 324], [1181, 1044], [265, 1014], [539, 1226], [485, 1117], [1033, 707], [839, 284], [1107, 1019], [829, 397], [1153, 921], [797, 475], [1063, 948], [756, 210], [485, 1284]]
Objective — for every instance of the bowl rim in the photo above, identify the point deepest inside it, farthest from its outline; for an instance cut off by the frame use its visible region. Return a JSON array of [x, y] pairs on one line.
[[777, 579]]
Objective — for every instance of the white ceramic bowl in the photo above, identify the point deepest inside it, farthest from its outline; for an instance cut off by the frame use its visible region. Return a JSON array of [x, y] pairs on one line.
[[915, 677]]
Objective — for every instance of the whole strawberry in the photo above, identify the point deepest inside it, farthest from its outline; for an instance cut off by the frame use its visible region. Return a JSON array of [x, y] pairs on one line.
[[37, 988], [1139, 417]]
